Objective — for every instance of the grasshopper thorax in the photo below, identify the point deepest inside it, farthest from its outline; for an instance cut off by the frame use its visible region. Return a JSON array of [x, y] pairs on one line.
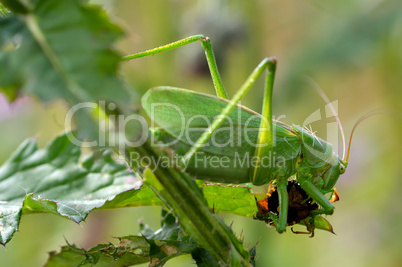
[[319, 160]]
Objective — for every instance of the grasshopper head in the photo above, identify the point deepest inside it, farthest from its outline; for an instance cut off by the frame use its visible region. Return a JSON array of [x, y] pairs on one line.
[[331, 176]]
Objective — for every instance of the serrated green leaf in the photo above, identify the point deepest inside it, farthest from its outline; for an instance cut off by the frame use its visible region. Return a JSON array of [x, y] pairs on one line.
[[156, 247], [168, 242], [54, 180], [64, 51], [131, 250]]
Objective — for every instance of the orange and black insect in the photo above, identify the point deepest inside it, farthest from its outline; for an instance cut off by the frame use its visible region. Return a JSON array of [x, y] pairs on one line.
[[300, 206]]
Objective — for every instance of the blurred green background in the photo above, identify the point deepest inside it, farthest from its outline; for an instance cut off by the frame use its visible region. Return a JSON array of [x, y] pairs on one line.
[[352, 49]]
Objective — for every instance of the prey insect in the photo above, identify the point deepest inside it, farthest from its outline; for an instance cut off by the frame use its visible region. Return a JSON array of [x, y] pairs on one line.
[[300, 208], [200, 127]]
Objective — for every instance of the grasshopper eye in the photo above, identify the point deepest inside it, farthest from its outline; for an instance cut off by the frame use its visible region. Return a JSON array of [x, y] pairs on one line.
[[342, 168]]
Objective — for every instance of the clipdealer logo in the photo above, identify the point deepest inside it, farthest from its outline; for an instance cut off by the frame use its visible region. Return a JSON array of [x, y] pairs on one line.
[[235, 131]]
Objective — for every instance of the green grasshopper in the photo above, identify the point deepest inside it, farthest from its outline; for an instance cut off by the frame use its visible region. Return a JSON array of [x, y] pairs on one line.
[[211, 120]]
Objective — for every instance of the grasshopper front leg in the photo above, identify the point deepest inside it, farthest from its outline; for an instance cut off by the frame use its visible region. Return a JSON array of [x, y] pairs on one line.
[[316, 194], [281, 220]]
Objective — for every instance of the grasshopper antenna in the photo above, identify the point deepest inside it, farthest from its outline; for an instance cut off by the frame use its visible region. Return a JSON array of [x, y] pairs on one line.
[[364, 117], [326, 99]]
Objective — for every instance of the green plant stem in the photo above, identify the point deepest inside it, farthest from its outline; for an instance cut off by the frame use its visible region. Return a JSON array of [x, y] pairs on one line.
[[180, 193]]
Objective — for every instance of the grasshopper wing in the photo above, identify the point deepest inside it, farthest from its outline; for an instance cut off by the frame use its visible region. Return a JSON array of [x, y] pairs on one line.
[[184, 115]]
